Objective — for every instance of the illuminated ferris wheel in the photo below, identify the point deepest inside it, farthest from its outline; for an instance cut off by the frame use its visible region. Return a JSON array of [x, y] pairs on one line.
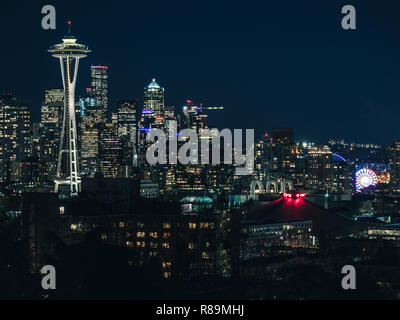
[[366, 178]]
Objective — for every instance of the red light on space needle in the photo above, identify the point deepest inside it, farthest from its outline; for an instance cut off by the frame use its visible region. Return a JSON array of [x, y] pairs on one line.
[[69, 22]]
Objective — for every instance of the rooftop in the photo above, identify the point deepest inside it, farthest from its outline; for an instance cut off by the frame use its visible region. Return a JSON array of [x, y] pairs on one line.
[[290, 210]]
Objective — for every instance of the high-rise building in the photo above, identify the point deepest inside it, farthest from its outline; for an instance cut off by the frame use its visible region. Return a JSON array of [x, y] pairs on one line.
[[99, 88], [89, 149], [49, 132], [154, 99], [194, 118], [69, 53], [153, 116], [14, 133], [319, 168], [265, 157], [341, 175], [52, 110], [88, 101], [109, 156], [127, 126], [395, 166]]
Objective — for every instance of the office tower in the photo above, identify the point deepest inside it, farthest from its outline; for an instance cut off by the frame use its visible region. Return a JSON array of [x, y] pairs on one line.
[[283, 140], [48, 133], [92, 119], [89, 149], [99, 88], [14, 134], [194, 118], [341, 175], [109, 156], [127, 128], [52, 108], [53, 95], [48, 145], [154, 99], [319, 168], [88, 101], [297, 164], [264, 157], [395, 166], [153, 116], [69, 53]]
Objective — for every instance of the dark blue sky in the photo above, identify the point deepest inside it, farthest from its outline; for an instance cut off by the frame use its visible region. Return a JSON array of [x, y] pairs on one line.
[[270, 63]]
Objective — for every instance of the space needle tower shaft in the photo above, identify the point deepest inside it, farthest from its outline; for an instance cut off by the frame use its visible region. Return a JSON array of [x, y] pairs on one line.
[[69, 53]]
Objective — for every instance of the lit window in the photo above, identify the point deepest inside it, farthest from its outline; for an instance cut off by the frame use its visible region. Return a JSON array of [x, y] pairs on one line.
[[205, 255], [166, 235], [204, 225], [129, 244], [140, 244]]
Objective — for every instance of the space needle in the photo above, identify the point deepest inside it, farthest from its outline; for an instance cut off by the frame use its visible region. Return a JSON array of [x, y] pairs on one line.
[[69, 53]]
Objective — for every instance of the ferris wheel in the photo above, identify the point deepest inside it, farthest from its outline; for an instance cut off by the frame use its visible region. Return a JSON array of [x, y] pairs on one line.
[[366, 178]]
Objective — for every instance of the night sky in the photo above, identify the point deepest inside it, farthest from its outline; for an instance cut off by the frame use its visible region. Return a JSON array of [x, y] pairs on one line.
[[270, 63]]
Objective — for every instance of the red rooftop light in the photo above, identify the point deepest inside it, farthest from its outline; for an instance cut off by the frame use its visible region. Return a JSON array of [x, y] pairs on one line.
[[297, 195]]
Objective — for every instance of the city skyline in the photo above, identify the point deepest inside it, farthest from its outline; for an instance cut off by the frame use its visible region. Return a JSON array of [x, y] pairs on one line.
[[200, 151], [231, 63]]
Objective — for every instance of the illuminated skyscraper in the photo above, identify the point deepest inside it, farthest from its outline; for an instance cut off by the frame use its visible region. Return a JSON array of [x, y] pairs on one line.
[[153, 106], [153, 116], [69, 53], [53, 106], [100, 88], [88, 101], [110, 150], [49, 132], [14, 134], [320, 168], [154, 99], [128, 126]]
